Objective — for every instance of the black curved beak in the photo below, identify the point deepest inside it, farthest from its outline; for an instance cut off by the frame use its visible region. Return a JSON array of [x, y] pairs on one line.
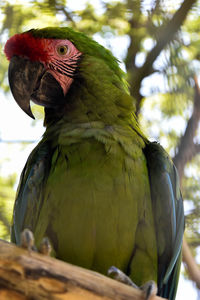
[[23, 76]]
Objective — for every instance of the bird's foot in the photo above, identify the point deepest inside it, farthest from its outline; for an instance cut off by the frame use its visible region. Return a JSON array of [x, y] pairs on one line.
[[118, 275], [28, 242], [149, 288], [45, 246]]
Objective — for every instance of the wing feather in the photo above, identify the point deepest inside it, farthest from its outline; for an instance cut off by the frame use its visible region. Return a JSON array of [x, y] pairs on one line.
[[168, 216], [31, 186]]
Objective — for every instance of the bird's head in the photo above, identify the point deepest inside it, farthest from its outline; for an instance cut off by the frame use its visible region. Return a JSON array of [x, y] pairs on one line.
[[44, 63]]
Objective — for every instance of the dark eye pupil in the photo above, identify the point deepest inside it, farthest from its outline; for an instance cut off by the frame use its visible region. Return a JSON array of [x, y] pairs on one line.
[[62, 50]]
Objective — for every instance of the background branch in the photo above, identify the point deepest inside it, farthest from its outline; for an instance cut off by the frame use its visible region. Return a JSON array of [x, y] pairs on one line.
[[165, 35], [187, 149], [190, 264], [68, 15]]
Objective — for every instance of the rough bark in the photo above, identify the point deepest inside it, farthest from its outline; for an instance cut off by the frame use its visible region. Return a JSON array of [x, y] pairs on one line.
[[28, 275]]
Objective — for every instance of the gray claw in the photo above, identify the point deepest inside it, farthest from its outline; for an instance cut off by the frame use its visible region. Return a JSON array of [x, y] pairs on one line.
[[27, 239], [45, 246], [150, 289], [118, 275]]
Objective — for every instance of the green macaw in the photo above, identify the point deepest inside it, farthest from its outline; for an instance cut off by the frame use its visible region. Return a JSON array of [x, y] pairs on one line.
[[94, 185]]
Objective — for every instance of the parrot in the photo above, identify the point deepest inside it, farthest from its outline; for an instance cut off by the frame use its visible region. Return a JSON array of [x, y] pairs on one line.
[[94, 185]]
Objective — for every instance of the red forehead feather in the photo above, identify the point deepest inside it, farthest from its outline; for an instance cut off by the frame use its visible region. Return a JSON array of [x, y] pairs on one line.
[[25, 44]]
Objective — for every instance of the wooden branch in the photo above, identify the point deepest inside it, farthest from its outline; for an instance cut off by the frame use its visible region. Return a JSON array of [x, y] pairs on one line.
[[30, 275]]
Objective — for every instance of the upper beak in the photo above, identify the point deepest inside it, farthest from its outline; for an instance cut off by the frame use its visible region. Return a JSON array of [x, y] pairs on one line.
[[23, 76]]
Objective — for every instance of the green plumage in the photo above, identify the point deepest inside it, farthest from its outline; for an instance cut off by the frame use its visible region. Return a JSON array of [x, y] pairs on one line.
[[94, 185]]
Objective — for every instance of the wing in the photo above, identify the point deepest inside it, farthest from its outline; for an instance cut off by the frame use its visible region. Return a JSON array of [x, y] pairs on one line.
[[168, 216], [30, 190]]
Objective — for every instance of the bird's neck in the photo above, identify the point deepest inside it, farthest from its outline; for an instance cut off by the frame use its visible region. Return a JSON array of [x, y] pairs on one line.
[[97, 95]]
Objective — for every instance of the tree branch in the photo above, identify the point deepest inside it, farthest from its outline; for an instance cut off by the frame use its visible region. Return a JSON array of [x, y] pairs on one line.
[[165, 36], [67, 15], [191, 265], [28, 275], [187, 149]]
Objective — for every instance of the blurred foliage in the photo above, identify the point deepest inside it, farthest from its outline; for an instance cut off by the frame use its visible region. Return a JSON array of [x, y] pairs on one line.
[[167, 91], [6, 204]]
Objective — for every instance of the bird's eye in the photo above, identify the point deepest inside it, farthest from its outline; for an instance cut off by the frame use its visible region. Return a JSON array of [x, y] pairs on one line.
[[62, 50]]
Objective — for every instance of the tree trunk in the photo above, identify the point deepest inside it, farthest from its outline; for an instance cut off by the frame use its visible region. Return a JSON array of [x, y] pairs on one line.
[[187, 148], [29, 275], [190, 264]]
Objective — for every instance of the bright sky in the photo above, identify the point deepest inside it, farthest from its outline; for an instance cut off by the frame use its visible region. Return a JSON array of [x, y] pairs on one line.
[[16, 125]]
